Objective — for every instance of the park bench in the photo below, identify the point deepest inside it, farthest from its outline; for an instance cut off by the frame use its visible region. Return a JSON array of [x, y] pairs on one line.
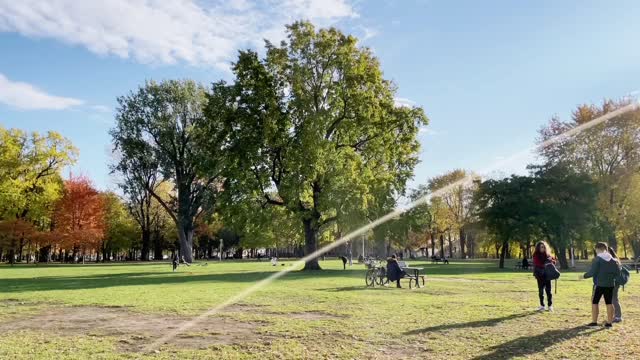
[[519, 266], [412, 274], [437, 260]]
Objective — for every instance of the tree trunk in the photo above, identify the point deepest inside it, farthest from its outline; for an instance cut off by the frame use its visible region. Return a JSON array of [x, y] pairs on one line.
[[463, 241], [635, 245], [44, 254], [146, 244], [311, 231], [503, 253], [450, 245], [186, 244], [20, 248], [441, 245], [157, 246], [433, 244], [561, 254]]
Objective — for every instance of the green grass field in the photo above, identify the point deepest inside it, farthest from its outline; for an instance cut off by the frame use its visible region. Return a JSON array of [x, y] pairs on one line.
[[468, 310]]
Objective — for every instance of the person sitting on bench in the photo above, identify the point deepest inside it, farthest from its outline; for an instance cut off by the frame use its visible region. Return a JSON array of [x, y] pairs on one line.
[[394, 272], [525, 264]]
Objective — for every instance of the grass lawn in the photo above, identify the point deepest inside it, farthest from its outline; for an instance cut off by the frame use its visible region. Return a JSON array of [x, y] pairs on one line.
[[468, 310]]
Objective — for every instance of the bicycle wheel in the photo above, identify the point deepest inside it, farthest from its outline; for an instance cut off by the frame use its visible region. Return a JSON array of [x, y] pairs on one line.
[[370, 278]]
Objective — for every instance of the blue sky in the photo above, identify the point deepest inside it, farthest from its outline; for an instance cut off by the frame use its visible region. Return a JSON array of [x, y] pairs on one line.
[[489, 74]]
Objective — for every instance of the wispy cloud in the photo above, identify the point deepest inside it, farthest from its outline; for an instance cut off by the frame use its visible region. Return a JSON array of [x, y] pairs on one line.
[[166, 32], [400, 101], [24, 96]]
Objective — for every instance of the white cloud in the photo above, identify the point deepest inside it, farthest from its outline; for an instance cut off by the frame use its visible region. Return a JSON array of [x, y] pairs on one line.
[[400, 101], [25, 96], [165, 32]]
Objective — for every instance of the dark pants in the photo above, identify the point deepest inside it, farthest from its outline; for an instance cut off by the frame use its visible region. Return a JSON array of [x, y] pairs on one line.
[[544, 285], [606, 292]]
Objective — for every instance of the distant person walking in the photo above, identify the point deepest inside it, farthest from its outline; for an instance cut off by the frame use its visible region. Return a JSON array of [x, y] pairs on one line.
[[344, 262], [174, 262], [542, 256], [604, 269]]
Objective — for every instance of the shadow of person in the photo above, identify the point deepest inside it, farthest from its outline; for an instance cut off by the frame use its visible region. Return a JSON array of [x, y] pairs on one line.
[[473, 324], [529, 345]]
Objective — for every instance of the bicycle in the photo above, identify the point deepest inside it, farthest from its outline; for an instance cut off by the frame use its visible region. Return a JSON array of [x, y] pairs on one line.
[[376, 273]]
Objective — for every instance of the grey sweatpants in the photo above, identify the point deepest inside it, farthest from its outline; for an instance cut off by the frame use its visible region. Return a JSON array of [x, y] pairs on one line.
[[616, 303]]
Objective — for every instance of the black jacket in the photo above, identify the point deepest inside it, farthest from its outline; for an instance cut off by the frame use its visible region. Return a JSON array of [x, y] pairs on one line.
[[394, 272]]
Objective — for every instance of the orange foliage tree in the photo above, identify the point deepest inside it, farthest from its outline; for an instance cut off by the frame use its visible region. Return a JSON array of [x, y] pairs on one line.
[[12, 232], [79, 217]]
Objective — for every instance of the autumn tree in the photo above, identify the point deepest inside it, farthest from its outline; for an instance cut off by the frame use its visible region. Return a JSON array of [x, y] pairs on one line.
[[79, 220], [30, 182], [160, 131], [119, 226], [456, 195], [313, 126], [608, 152]]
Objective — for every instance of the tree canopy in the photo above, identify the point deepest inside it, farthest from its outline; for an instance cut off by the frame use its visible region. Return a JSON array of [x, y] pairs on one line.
[[159, 135], [313, 128]]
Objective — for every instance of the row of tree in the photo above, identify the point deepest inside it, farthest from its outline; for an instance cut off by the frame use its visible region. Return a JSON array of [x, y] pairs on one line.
[[585, 190], [305, 145]]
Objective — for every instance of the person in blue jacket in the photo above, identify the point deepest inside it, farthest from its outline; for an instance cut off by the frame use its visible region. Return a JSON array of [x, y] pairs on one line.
[[604, 269]]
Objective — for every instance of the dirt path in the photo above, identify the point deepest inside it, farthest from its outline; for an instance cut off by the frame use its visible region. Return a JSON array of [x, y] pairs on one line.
[[133, 330]]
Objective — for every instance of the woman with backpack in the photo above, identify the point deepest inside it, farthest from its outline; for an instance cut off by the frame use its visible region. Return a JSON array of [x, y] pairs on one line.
[[604, 269], [541, 257]]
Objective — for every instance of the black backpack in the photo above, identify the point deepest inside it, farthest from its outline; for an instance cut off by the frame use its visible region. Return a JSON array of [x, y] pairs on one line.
[[551, 271], [623, 276]]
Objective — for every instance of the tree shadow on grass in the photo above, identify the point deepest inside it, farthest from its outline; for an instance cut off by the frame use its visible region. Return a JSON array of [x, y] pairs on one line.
[[467, 325], [362, 287], [97, 281], [529, 345]]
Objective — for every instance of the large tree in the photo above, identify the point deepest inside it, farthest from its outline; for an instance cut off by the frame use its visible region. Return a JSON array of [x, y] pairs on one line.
[[554, 201], [79, 217], [508, 209], [608, 152], [160, 130], [313, 128]]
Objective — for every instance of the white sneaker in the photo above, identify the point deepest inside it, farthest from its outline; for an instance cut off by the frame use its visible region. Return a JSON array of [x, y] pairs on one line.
[[541, 308], [550, 309]]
